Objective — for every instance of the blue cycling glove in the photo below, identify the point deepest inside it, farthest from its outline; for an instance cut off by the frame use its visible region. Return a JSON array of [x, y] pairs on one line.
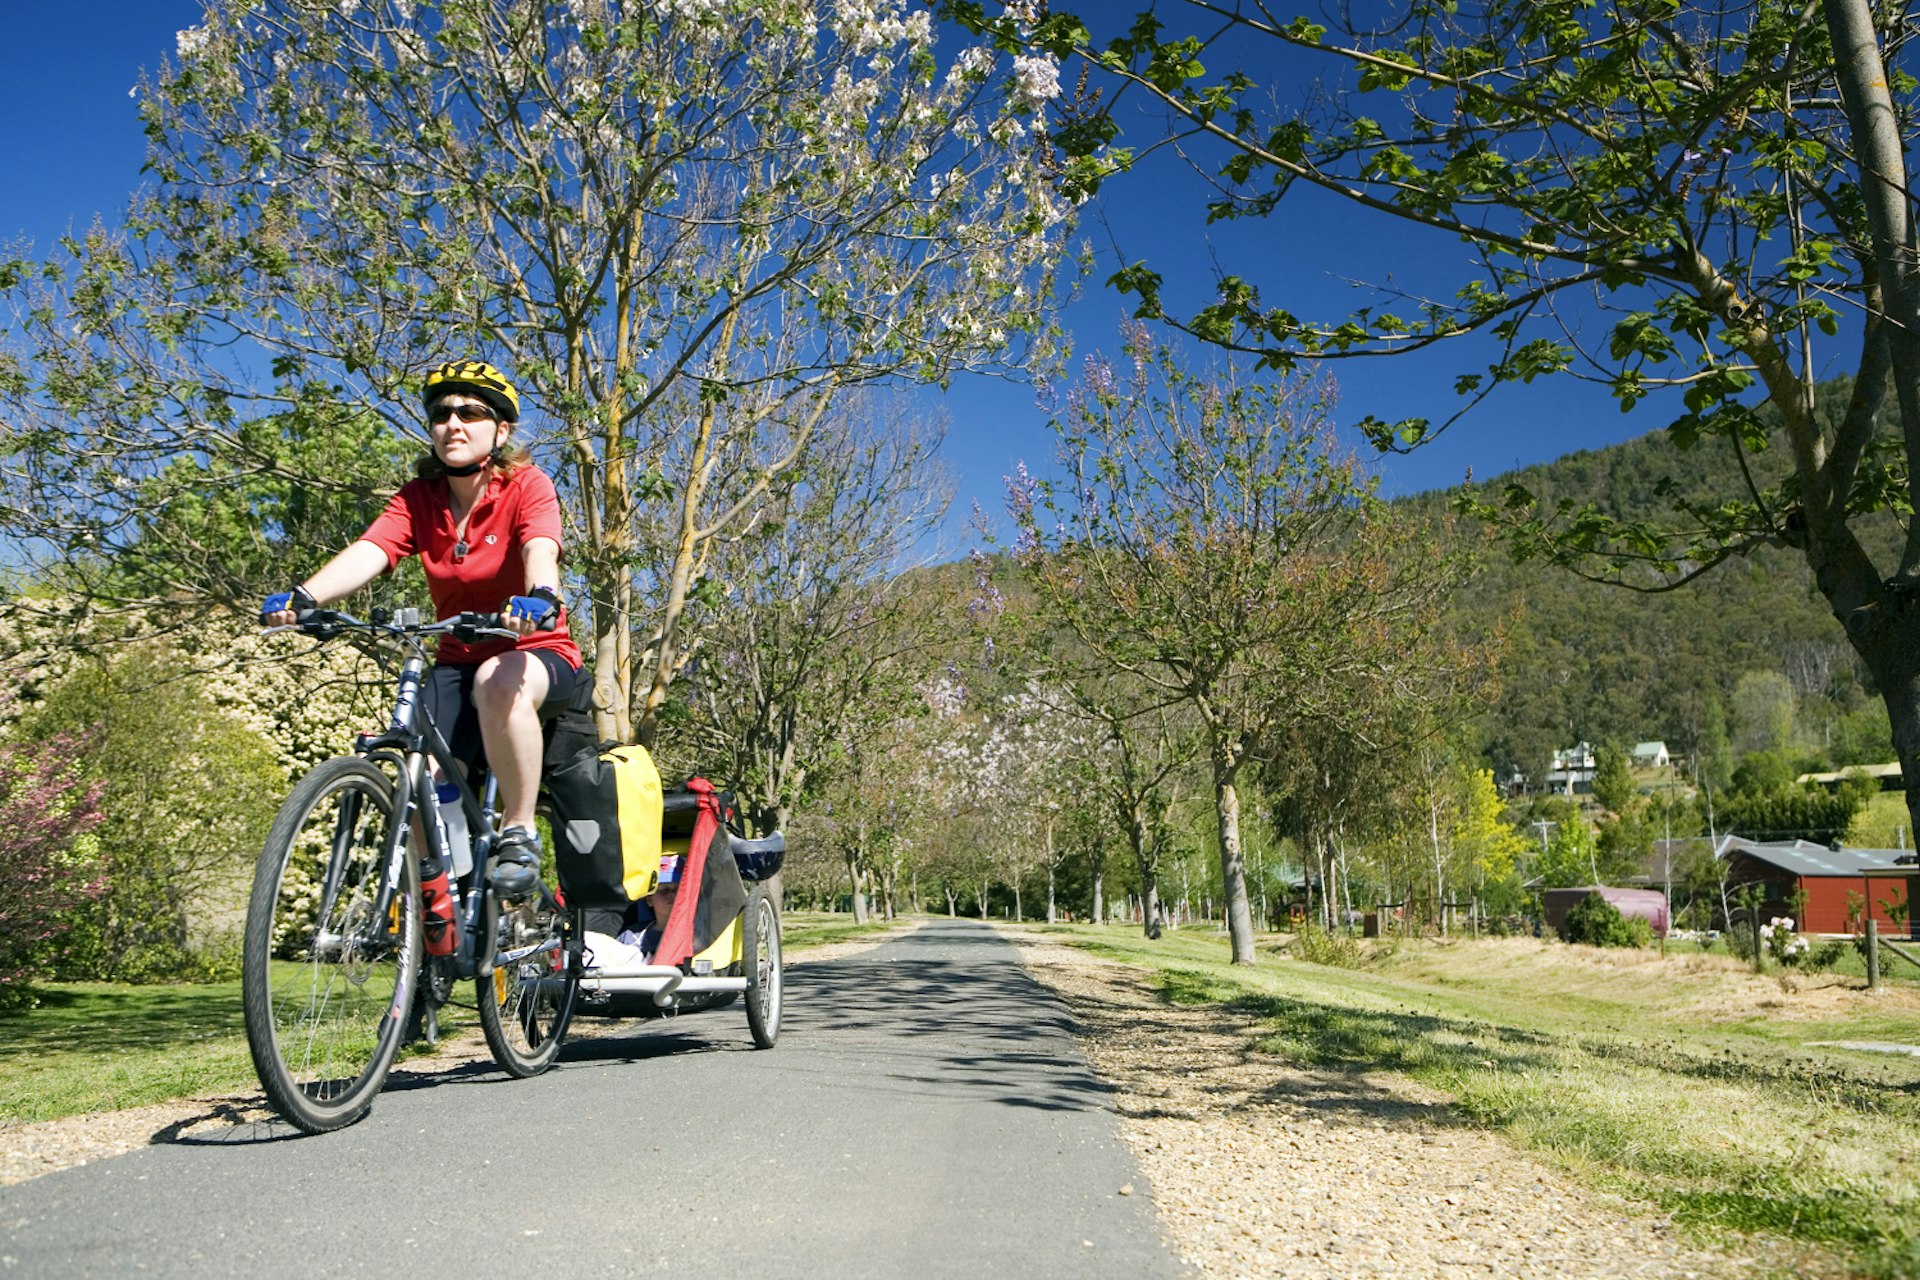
[[299, 600], [540, 606]]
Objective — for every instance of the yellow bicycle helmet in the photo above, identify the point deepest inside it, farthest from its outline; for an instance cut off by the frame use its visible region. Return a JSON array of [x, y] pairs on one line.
[[478, 378]]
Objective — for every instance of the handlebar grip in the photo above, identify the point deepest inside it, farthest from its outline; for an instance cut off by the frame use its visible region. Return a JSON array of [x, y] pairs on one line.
[[471, 626], [324, 624], [497, 621]]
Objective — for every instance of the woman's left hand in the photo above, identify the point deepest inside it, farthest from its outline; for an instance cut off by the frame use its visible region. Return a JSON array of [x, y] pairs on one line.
[[538, 610]]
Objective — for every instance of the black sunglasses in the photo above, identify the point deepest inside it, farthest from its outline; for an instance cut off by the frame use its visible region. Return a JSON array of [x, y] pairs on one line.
[[439, 413]]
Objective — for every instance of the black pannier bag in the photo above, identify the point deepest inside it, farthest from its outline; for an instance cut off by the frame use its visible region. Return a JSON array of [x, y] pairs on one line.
[[603, 804], [612, 821]]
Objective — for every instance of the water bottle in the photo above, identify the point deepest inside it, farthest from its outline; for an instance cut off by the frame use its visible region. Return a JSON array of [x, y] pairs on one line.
[[453, 829]]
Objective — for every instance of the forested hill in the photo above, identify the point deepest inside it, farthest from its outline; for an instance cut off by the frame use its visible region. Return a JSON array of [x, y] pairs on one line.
[[1603, 664]]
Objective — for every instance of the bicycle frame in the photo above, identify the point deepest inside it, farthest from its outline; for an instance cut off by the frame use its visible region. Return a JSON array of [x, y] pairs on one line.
[[409, 741]]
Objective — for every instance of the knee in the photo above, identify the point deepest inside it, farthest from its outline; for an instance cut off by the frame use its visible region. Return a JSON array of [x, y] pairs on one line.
[[498, 688], [505, 686]]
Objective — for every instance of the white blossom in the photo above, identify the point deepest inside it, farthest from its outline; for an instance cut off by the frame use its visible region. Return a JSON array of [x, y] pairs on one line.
[[191, 42], [691, 10], [1036, 81]]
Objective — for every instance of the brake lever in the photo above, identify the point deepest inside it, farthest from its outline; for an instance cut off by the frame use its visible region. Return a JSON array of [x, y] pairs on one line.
[[472, 626]]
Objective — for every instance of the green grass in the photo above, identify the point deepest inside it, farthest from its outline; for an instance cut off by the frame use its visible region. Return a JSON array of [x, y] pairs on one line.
[[101, 1046], [1686, 1082], [802, 929]]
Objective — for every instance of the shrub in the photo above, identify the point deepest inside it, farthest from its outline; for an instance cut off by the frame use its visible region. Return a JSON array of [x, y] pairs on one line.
[[1598, 923], [1316, 946], [187, 793], [1783, 942], [47, 857], [1826, 955]]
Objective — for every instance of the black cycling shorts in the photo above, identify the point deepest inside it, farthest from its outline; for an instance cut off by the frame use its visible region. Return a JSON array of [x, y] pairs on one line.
[[447, 693]]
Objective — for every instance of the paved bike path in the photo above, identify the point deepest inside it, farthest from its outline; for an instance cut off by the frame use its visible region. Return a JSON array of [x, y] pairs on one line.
[[926, 1113]]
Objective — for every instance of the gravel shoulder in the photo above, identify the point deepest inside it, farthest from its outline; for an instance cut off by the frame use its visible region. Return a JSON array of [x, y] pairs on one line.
[[1260, 1169]]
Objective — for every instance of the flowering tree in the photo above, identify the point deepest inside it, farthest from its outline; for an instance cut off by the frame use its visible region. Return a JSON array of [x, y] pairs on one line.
[[682, 226], [1191, 547], [48, 866], [1018, 763], [818, 612]]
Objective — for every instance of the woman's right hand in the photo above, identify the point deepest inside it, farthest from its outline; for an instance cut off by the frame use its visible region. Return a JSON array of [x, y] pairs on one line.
[[286, 608]]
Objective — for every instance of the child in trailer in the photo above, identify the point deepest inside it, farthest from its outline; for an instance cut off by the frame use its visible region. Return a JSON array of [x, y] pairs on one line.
[[645, 921]]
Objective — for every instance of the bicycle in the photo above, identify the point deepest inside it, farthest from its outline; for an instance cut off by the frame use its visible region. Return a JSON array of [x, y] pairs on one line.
[[333, 951]]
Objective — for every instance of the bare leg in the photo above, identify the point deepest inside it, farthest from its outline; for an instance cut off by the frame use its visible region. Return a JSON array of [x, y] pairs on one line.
[[507, 692]]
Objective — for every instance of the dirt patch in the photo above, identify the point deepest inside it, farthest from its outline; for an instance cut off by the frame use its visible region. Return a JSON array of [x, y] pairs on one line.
[[1259, 1168]]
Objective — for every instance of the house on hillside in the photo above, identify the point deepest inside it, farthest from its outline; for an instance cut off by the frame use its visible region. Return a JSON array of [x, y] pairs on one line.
[[1635, 904], [1887, 775], [1651, 755], [1881, 877], [1573, 770]]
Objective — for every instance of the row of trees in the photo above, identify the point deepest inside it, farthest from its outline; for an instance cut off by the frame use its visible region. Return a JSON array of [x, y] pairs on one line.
[[691, 228]]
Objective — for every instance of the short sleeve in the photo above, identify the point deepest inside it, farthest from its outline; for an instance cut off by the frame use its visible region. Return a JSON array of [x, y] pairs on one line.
[[539, 509], [392, 531]]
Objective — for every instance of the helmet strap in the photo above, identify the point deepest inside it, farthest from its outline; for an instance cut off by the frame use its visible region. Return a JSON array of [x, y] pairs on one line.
[[472, 468]]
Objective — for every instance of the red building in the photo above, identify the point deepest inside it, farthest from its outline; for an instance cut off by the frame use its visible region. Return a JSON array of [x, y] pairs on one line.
[[1878, 878]]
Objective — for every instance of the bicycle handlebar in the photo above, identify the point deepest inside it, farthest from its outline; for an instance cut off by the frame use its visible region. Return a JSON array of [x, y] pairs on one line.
[[325, 624]]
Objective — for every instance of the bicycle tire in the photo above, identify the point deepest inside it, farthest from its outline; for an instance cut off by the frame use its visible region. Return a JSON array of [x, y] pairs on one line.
[[526, 1004], [326, 1000], [760, 954]]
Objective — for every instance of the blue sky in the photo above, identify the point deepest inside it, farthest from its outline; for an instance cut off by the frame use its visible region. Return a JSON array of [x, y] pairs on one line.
[[72, 139]]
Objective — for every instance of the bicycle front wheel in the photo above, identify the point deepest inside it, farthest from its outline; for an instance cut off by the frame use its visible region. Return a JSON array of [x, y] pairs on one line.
[[526, 1003], [328, 976]]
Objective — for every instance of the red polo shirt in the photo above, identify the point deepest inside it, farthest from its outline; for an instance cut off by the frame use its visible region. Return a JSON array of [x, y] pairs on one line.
[[513, 509]]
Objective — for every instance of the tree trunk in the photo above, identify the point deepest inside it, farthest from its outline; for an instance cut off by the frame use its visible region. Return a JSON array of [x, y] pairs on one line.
[[1433, 833], [1151, 922], [1053, 914], [953, 905], [1233, 868], [1346, 881], [984, 885], [1099, 902], [856, 880], [666, 657]]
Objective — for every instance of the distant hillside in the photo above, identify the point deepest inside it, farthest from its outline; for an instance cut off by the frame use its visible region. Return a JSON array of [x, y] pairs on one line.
[[1603, 664]]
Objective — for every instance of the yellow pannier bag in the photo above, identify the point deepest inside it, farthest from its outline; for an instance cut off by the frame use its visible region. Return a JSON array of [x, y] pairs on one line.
[[606, 808]]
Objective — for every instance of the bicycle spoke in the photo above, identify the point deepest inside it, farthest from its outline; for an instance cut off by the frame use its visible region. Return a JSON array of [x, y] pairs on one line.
[[328, 974]]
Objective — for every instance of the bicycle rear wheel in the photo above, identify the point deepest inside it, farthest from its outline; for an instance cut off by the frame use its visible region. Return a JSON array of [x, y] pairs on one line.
[[760, 951], [327, 979], [526, 1003]]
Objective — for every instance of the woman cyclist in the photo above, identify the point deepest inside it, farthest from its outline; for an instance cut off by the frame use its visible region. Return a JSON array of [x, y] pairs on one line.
[[485, 523]]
